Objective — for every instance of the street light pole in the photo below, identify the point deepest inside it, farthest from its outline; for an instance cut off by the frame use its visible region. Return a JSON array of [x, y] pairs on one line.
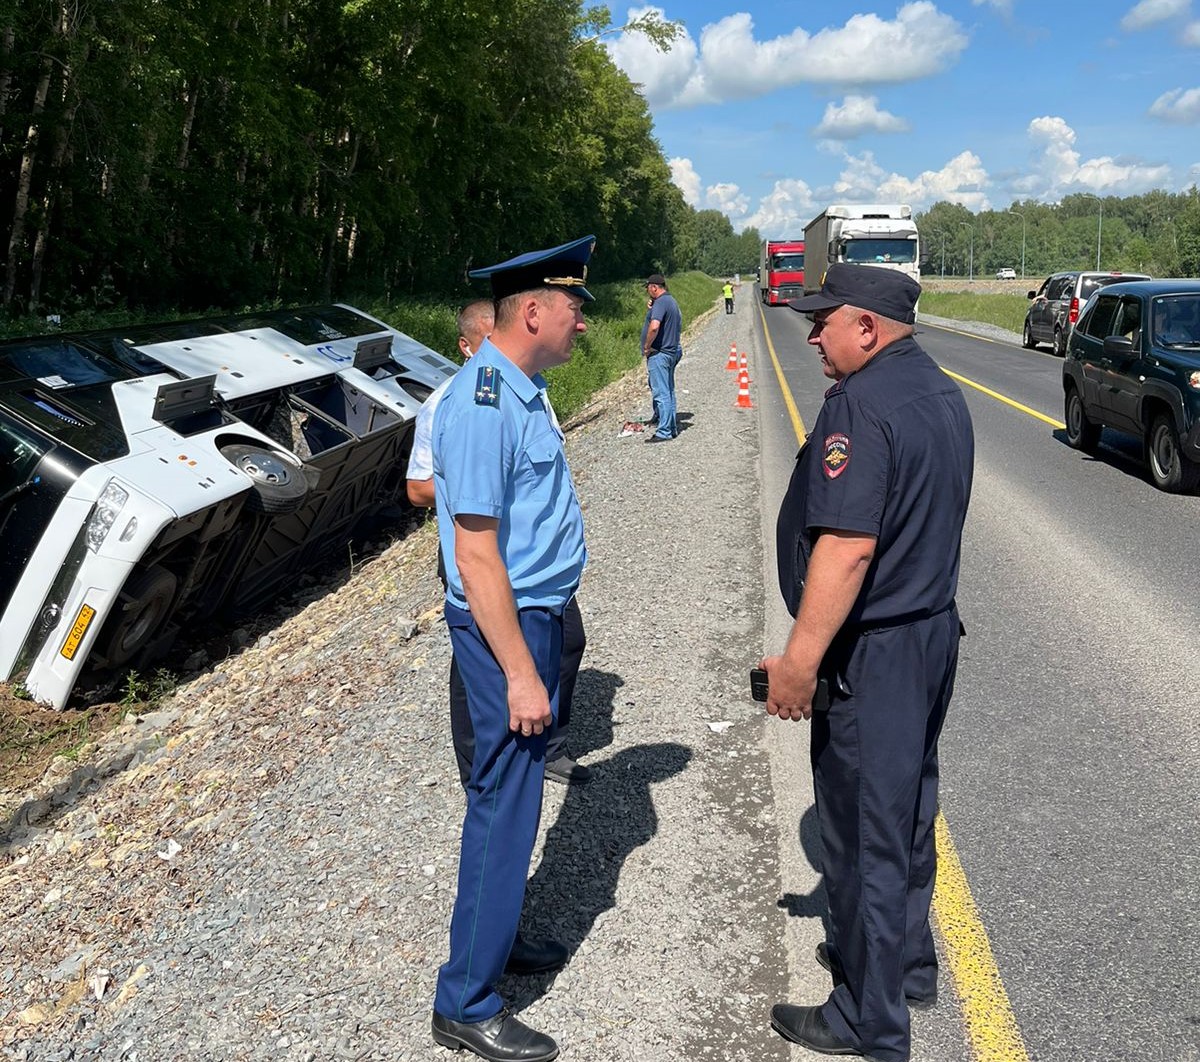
[[971, 266], [1022, 217]]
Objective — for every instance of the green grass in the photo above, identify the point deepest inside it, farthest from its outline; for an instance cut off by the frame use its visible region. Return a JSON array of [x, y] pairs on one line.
[[1006, 311]]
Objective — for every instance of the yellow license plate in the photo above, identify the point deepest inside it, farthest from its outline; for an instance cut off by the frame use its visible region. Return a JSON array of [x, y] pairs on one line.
[[78, 630]]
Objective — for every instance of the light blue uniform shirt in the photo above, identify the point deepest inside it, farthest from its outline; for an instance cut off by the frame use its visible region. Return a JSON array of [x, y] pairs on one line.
[[507, 461]]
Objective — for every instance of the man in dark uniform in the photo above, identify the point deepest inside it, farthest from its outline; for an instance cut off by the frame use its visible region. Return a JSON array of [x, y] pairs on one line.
[[512, 537], [869, 538]]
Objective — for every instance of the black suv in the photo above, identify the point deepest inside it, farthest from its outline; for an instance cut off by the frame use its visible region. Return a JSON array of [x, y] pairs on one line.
[[1055, 306], [1133, 365]]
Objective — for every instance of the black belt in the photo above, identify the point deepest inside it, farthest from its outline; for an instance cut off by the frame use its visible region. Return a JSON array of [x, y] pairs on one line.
[[904, 620]]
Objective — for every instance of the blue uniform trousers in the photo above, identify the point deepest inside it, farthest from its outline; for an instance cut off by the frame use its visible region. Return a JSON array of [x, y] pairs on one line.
[[504, 805], [875, 773]]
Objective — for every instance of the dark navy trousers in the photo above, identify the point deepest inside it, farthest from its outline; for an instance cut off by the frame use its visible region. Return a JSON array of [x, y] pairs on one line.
[[463, 733], [504, 806], [875, 774]]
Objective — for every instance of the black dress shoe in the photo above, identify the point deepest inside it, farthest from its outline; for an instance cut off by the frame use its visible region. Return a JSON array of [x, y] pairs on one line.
[[501, 1038], [535, 956], [565, 770], [827, 956], [807, 1026]]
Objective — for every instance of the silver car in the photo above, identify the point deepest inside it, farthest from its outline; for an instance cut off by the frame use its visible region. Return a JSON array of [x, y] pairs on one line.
[[1056, 305]]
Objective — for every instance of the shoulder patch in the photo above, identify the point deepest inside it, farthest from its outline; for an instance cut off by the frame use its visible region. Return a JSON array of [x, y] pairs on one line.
[[487, 386], [835, 454]]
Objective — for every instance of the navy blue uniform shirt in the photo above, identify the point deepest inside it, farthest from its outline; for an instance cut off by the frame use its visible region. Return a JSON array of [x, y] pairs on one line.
[[891, 455]]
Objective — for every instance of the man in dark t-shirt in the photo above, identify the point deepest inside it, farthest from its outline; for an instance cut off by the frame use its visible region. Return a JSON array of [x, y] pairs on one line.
[[661, 347]]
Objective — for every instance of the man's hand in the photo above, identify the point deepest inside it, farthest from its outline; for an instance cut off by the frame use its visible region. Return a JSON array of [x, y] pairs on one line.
[[528, 706], [790, 688]]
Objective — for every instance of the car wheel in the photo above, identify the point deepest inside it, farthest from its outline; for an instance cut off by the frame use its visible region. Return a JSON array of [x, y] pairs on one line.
[[279, 481], [145, 604], [1169, 469], [1027, 340], [1060, 343], [1082, 434]]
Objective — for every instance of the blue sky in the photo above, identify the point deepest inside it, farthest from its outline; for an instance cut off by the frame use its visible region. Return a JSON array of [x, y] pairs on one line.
[[769, 112]]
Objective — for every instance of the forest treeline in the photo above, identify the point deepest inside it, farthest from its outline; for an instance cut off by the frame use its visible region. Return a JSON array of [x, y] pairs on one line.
[[195, 153], [186, 154], [1156, 233]]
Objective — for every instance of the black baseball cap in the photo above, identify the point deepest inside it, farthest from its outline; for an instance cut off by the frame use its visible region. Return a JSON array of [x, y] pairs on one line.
[[656, 279], [884, 291]]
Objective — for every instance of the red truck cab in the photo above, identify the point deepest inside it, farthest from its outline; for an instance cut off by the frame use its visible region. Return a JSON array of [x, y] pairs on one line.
[[781, 271]]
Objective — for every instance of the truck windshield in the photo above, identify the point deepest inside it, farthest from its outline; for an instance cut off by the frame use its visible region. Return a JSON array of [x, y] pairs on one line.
[[788, 262], [866, 252]]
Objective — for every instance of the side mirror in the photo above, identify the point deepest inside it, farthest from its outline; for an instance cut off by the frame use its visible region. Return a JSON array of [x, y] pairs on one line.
[[1031, 295], [1118, 346]]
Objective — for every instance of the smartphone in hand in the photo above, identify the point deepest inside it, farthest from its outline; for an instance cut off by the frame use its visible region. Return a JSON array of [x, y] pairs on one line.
[[758, 684], [759, 687]]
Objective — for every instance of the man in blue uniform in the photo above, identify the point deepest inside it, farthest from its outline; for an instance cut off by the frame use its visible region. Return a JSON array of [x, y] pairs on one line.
[[662, 348], [512, 536], [869, 538]]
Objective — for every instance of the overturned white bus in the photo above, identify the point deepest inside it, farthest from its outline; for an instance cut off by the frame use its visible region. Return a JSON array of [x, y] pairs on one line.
[[155, 476]]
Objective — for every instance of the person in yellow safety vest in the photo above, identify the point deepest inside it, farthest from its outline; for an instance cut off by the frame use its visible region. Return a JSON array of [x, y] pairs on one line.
[[727, 291]]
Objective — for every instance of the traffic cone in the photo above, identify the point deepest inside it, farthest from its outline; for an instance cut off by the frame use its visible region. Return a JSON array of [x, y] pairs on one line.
[[743, 398], [732, 363], [742, 361]]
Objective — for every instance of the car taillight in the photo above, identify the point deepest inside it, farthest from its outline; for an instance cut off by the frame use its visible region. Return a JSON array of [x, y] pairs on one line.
[[1073, 312]]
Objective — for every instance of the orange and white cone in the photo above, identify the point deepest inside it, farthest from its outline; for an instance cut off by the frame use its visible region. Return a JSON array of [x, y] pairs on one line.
[[732, 363], [742, 361], [743, 398]]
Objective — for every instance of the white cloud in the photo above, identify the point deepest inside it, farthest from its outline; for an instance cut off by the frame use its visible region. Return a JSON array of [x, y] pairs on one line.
[[855, 116], [684, 174], [961, 180], [1191, 34], [1003, 6], [1178, 106], [727, 198], [1151, 12], [1058, 171], [730, 63], [784, 211]]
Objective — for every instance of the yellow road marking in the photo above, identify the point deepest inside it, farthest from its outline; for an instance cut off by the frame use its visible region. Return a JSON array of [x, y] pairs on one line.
[[1003, 398], [991, 1027], [793, 412]]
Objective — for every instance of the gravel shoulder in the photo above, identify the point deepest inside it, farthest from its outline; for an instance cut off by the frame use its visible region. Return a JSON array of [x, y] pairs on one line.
[[264, 868]]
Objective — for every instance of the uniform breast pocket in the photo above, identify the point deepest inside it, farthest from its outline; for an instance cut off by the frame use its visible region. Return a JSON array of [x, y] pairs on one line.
[[542, 453]]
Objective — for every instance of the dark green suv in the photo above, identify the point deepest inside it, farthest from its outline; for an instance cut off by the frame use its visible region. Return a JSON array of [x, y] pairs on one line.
[[1133, 365]]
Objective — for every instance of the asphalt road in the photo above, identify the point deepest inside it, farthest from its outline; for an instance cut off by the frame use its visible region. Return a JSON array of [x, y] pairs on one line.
[[1070, 774]]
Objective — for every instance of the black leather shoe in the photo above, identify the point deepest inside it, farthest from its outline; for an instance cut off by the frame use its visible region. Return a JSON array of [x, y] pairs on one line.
[[660, 438], [565, 770], [535, 956], [501, 1038], [807, 1026], [827, 956]]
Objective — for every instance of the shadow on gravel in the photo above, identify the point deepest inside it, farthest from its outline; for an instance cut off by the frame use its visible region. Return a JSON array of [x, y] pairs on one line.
[[599, 825], [815, 904]]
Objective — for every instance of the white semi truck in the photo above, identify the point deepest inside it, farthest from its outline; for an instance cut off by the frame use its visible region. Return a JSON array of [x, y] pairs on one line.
[[876, 234]]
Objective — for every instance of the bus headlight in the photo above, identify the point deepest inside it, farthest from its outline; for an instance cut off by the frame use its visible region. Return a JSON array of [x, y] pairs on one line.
[[108, 507]]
